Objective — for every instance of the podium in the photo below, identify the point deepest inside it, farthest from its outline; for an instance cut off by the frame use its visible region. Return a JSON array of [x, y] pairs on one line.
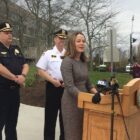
[[97, 117]]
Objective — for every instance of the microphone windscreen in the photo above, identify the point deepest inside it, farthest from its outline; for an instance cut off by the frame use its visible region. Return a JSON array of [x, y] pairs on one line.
[[96, 98]]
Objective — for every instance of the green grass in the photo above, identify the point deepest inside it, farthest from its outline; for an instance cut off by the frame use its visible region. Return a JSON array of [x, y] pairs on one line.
[[123, 78], [31, 77]]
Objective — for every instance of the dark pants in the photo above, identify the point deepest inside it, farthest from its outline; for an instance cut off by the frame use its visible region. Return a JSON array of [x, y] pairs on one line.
[[52, 106], [9, 108]]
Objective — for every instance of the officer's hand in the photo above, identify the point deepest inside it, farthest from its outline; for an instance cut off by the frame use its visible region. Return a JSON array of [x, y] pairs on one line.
[[21, 80], [15, 78], [62, 84], [56, 83]]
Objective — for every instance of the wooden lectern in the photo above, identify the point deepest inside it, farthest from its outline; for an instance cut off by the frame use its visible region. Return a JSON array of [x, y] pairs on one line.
[[97, 117]]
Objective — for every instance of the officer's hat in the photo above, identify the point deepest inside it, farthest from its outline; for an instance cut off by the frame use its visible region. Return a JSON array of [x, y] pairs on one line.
[[5, 27], [61, 33]]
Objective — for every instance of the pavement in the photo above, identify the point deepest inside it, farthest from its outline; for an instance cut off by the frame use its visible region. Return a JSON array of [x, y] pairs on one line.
[[31, 123]]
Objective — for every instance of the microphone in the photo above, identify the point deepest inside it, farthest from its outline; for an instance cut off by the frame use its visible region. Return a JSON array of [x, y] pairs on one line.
[[102, 86], [96, 98], [113, 85]]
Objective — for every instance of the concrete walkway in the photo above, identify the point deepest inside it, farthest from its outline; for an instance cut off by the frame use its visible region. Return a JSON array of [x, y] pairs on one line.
[[31, 123]]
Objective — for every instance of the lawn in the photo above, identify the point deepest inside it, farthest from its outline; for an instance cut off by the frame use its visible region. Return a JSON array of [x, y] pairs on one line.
[[123, 78], [34, 91]]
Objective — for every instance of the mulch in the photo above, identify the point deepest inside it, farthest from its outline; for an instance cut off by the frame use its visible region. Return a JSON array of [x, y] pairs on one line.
[[35, 95]]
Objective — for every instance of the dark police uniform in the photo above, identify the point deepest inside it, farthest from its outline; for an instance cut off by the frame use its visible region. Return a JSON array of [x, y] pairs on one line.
[[13, 60], [50, 61]]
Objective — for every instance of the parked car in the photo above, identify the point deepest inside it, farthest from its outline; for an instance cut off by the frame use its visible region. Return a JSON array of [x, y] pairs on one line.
[[102, 67], [128, 68]]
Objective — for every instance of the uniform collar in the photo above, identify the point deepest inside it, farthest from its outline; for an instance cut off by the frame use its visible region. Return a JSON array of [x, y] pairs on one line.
[[57, 51], [3, 46]]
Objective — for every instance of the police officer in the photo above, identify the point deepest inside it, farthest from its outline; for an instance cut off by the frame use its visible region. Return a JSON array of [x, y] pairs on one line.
[[49, 69], [13, 71]]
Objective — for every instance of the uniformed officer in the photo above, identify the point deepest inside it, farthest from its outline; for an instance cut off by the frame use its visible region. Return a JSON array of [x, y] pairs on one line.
[[13, 71], [49, 68]]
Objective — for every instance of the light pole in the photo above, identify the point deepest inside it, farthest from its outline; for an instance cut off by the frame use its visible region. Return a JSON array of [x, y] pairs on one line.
[[131, 40]]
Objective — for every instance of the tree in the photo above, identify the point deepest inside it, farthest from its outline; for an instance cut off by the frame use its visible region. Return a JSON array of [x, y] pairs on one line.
[[93, 16], [19, 22], [51, 11], [55, 13], [35, 19], [6, 2], [7, 6], [35, 7]]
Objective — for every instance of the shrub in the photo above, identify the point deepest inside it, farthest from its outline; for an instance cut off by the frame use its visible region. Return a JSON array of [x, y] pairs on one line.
[[31, 77]]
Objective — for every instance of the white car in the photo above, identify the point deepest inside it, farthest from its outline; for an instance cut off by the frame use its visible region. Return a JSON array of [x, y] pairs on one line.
[[102, 67], [128, 68]]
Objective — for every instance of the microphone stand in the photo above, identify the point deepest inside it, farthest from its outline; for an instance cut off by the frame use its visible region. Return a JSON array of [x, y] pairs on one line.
[[114, 91]]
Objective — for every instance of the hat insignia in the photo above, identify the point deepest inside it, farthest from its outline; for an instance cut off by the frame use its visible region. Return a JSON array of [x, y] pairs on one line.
[[63, 32], [7, 25]]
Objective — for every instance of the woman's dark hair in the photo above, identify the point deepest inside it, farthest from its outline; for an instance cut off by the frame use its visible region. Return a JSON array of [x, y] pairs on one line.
[[71, 48]]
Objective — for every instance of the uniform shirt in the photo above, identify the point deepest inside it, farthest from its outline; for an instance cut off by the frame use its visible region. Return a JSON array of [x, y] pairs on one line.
[[13, 60], [51, 62]]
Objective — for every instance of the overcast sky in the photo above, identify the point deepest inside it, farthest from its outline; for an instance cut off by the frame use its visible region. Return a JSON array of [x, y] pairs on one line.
[[128, 9]]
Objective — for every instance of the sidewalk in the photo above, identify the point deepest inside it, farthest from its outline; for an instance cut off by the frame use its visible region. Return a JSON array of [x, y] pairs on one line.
[[31, 123]]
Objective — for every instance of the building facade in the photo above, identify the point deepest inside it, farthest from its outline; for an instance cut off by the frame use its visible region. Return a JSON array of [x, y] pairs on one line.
[[29, 34]]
